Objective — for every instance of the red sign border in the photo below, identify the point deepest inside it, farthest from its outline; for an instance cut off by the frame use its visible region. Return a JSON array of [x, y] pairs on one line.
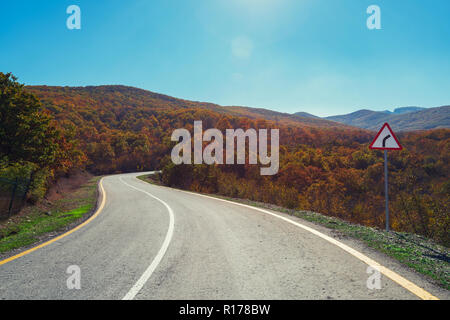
[[393, 135]]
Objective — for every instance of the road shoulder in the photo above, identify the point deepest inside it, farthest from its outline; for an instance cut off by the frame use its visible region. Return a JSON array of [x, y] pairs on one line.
[[40, 224]]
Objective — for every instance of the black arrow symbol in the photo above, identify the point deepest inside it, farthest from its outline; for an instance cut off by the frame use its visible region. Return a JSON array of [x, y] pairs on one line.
[[384, 140]]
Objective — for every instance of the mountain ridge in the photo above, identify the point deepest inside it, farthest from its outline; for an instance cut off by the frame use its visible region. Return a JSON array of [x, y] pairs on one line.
[[402, 120], [133, 97], [403, 110]]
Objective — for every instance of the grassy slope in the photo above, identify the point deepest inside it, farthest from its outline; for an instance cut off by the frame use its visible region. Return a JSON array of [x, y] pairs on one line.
[[417, 252], [36, 222]]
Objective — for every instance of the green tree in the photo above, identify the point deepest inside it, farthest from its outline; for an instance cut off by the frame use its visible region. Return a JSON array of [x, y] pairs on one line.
[[26, 131]]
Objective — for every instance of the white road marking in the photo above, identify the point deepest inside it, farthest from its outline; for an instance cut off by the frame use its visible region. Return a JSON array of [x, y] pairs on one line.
[[162, 251], [413, 288]]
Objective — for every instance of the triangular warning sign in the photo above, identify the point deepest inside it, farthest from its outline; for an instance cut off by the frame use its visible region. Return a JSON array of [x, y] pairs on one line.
[[386, 140]]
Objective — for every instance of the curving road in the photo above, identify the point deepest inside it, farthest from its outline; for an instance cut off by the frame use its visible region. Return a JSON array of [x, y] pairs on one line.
[[152, 242]]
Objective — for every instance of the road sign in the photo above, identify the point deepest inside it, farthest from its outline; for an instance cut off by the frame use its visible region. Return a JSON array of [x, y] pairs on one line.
[[386, 140]]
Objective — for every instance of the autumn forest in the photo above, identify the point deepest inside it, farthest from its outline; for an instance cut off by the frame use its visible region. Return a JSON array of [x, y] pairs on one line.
[[324, 166]]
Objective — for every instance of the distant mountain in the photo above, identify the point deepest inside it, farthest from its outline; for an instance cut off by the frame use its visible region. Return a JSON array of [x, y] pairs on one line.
[[402, 119], [361, 118], [305, 115], [403, 110]]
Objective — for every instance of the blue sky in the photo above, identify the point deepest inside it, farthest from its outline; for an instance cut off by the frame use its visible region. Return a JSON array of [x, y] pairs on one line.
[[316, 56]]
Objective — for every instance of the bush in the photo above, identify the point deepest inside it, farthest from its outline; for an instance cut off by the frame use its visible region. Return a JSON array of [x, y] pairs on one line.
[[39, 184], [23, 172]]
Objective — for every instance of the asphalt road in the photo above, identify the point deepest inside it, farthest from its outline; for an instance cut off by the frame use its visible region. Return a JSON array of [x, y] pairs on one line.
[[152, 242]]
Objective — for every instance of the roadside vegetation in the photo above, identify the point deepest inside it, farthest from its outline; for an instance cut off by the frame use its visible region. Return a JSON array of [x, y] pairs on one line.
[[47, 219], [35, 150], [417, 252]]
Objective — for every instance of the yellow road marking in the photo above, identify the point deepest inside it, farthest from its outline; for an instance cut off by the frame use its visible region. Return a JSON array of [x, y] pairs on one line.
[[97, 212]]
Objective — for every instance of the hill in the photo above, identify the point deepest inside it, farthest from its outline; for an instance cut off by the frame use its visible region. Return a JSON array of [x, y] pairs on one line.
[[121, 129], [306, 115], [405, 110], [361, 118], [402, 119], [113, 96]]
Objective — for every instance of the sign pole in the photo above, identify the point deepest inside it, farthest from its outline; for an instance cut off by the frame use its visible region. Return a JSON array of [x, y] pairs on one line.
[[386, 192], [386, 140]]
